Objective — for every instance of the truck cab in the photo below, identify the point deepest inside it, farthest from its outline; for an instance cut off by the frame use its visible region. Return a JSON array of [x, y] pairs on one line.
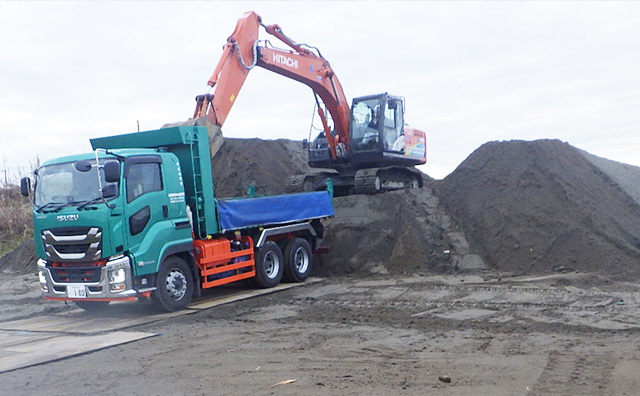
[[102, 221]]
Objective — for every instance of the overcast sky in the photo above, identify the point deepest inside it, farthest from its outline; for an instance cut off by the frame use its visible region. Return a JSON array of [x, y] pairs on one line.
[[470, 72]]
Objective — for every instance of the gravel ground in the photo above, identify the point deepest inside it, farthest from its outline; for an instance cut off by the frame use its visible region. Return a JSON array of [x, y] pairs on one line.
[[377, 335]]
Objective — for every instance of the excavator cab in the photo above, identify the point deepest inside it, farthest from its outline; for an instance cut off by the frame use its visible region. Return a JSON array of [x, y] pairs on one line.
[[377, 133], [376, 124], [378, 137]]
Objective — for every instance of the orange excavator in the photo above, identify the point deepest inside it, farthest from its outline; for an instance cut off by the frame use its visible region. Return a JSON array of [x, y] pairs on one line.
[[367, 149]]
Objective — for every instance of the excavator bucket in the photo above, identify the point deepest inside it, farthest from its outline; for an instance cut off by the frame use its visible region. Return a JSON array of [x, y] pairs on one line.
[[214, 131]]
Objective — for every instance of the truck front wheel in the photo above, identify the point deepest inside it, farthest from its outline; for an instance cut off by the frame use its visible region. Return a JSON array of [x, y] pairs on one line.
[[269, 265], [297, 260], [174, 285]]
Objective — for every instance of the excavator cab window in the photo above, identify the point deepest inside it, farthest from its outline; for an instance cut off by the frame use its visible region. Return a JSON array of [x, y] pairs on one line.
[[393, 122], [364, 125], [377, 124]]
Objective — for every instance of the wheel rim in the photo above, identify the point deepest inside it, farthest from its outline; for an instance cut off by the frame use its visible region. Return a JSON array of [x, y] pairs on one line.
[[301, 260], [176, 284], [271, 265]]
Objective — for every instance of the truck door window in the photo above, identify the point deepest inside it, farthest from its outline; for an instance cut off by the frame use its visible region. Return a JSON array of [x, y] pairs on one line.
[[143, 178]]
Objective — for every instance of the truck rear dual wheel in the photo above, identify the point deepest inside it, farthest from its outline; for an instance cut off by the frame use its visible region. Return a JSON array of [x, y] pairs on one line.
[[174, 285], [269, 265], [298, 260]]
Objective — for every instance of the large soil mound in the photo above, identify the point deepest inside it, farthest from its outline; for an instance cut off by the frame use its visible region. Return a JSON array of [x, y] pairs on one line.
[[543, 206], [264, 163]]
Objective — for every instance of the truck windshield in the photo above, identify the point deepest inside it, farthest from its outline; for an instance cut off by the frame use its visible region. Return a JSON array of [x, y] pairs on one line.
[[63, 185]]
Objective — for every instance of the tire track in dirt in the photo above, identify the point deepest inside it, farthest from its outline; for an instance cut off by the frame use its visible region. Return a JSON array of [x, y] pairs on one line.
[[572, 372], [492, 305]]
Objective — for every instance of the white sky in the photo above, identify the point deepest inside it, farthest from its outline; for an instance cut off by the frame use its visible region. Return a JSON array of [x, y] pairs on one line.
[[470, 72]]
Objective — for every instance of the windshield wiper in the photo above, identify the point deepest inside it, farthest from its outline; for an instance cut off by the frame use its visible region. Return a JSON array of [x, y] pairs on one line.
[[54, 209], [89, 202], [51, 205]]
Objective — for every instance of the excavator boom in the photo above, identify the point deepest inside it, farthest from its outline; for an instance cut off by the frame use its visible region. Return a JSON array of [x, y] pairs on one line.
[[243, 51]]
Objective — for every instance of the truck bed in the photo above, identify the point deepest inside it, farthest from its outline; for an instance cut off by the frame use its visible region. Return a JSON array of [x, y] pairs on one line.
[[239, 213]]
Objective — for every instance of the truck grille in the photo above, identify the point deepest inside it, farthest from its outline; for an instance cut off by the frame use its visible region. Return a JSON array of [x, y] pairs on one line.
[[72, 243], [75, 274]]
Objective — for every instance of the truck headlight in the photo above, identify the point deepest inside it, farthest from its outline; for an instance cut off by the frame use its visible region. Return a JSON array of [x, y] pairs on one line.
[[117, 279]]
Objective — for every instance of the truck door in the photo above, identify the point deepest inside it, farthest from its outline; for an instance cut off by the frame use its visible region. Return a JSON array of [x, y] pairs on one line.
[[147, 208]]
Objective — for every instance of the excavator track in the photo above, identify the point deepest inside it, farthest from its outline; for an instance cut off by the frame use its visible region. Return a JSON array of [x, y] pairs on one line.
[[307, 183], [367, 181], [295, 183], [377, 180]]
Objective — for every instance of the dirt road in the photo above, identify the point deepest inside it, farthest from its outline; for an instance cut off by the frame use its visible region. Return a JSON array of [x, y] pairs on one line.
[[375, 335]]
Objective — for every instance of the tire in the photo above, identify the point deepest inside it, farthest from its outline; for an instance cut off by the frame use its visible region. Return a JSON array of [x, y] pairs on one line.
[[91, 306], [298, 260], [269, 265], [174, 285]]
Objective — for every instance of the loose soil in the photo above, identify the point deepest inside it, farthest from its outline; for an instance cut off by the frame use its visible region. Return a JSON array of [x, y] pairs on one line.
[[516, 274], [544, 206]]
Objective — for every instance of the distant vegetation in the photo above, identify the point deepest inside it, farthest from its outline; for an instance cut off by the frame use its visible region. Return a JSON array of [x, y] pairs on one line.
[[15, 218]]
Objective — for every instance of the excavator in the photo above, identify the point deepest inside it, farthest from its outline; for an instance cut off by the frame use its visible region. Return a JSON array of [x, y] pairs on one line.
[[367, 149]]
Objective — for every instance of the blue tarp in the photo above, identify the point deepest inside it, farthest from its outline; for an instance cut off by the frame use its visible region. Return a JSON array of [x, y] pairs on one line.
[[238, 213]]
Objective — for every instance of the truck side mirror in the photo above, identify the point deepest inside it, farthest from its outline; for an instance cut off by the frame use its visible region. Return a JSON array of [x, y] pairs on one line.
[[111, 171], [305, 144], [25, 186]]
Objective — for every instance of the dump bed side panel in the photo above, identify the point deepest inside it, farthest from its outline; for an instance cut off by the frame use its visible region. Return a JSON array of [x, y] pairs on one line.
[[239, 213]]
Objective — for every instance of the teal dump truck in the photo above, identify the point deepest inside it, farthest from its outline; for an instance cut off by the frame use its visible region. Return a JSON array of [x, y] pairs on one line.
[[138, 218]]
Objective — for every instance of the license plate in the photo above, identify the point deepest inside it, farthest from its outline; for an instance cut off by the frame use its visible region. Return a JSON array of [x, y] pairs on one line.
[[76, 291]]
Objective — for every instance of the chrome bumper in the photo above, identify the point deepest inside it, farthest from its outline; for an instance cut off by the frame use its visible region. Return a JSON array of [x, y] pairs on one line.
[[103, 289]]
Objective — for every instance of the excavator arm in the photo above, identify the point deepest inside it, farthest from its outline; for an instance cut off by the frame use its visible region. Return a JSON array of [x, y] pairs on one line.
[[243, 51]]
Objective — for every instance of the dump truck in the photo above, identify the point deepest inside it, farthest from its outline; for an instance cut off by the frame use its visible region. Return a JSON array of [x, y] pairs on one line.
[[137, 218]]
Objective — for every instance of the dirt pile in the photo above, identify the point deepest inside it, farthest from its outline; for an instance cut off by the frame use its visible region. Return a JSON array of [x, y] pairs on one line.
[[543, 206], [389, 233], [21, 260], [385, 233], [264, 163]]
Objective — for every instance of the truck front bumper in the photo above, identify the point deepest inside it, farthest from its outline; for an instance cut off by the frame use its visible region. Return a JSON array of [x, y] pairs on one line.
[[115, 283]]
